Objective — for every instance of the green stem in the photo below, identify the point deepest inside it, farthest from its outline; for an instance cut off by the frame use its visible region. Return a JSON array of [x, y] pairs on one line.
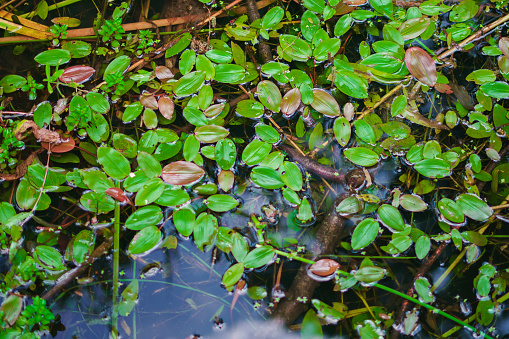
[[393, 291], [116, 259], [134, 308], [52, 7]]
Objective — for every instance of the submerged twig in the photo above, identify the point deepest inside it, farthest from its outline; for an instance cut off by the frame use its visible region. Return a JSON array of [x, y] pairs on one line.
[[71, 275], [313, 166], [327, 237]]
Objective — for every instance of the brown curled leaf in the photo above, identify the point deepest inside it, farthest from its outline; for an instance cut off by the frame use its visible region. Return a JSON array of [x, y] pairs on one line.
[[324, 267], [41, 134], [22, 167]]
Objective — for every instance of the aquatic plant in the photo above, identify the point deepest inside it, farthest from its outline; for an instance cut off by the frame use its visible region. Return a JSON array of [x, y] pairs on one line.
[[264, 161]]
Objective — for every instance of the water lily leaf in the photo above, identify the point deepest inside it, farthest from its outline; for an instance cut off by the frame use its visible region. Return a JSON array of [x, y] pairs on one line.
[[12, 83], [77, 48], [269, 95], [145, 240], [324, 267], [451, 210], [325, 103], [421, 65], [412, 203], [362, 156], [214, 110], [351, 84], [434, 168], [149, 192], [255, 152], [259, 257], [422, 246], [311, 327], [250, 109], [221, 202], [267, 133], [77, 74], [182, 173], [124, 144], [11, 308], [272, 18], [413, 28], [119, 64], [390, 217], [342, 131], [128, 298], [256, 292], [343, 24], [189, 83], [293, 48], [364, 131], [291, 102], [97, 202], [132, 111], [291, 175], [113, 162], [49, 258], [228, 73], [365, 233], [225, 153], [178, 46], [53, 57], [463, 11], [98, 102], [473, 207], [369, 274], [233, 274], [309, 25], [498, 89], [226, 180], [266, 177], [149, 164], [184, 220], [422, 287], [204, 64], [220, 56], [83, 245], [205, 230], [314, 5], [172, 196], [482, 76], [350, 205], [210, 133], [143, 217], [325, 48]]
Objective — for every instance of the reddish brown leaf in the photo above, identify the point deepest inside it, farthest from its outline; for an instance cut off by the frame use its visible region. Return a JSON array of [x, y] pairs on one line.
[[78, 74], [148, 100], [324, 267], [163, 73], [421, 66], [65, 146], [503, 45], [443, 88], [291, 102], [182, 173], [117, 194], [166, 107]]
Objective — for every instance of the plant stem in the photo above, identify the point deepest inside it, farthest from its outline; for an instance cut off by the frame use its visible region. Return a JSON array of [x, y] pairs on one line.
[[116, 258], [51, 7]]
